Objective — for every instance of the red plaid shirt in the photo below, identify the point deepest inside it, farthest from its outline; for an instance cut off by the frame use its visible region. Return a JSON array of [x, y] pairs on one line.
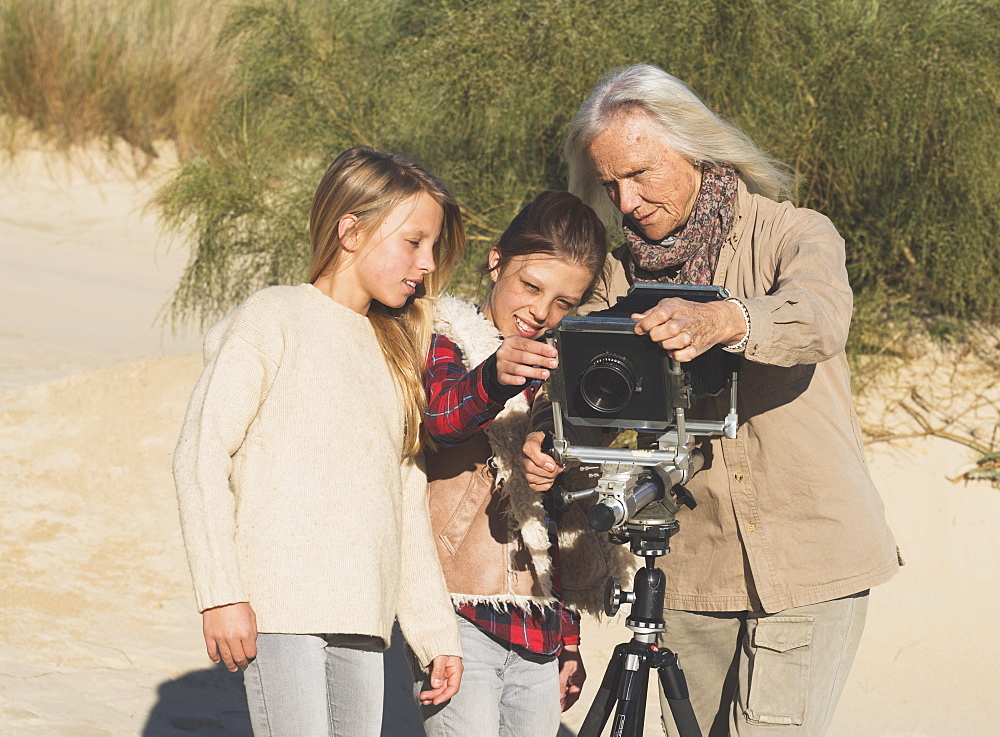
[[460, 403]]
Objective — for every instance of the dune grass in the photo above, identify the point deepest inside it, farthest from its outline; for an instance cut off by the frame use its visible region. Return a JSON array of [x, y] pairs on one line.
[[887, 111], [138, 71]]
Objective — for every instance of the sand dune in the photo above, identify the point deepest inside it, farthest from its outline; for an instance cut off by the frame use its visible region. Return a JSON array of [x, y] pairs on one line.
[[83, 270], [98, 633]]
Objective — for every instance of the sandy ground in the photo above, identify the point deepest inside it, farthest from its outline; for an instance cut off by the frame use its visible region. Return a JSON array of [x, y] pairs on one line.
[[83, 272], [98, 633]]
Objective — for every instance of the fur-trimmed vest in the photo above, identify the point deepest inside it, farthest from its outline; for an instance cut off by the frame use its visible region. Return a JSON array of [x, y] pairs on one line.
[[489, 526]]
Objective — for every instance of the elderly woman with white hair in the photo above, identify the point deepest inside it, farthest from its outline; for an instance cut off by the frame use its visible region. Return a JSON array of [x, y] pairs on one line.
[[767, 584]]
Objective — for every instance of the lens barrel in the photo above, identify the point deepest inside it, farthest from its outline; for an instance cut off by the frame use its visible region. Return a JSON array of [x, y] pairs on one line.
[[607, 383]]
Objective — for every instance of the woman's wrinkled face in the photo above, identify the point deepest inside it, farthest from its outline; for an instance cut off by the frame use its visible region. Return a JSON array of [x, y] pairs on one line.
[[650, 183]]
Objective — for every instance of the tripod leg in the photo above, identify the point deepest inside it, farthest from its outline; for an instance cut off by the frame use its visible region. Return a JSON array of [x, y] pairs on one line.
[[607, 694], [624, 721], [631, 712], [676, 691], [635, 728]]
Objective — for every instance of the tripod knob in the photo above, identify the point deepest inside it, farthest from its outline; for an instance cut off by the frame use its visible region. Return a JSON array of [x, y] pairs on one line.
[[614, 597]]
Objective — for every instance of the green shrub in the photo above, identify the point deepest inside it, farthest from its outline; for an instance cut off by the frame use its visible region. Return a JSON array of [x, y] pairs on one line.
[[299, 98], [887, 110]]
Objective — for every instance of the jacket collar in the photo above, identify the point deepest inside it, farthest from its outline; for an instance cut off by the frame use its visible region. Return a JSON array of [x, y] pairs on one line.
[[743, 214]]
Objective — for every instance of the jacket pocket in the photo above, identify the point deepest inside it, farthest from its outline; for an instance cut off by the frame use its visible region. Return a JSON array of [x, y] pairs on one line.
[[469, 506], [779, 671]]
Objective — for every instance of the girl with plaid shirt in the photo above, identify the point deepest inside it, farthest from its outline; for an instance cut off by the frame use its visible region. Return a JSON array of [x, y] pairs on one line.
[[505, 562]]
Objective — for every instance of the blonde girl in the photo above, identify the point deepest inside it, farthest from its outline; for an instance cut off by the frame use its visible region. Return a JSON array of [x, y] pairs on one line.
[[298, 473]]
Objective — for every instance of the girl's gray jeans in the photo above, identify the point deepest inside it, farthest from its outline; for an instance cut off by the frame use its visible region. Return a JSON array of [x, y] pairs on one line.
[[315, 686]]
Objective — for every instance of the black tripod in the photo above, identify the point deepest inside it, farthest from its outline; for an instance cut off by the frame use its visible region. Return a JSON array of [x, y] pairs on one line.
[[627, 676]]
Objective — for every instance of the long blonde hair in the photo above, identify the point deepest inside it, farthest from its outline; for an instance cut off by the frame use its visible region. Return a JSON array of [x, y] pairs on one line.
[[687, 124], [369, 184]]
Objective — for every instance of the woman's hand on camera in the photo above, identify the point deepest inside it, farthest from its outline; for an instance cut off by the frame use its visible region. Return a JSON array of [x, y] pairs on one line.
[[520, 359], [231, 634], [687, 329], [540, 469]]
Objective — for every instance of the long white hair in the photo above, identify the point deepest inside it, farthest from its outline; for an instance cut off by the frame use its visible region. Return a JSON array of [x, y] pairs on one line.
[[688, 127]]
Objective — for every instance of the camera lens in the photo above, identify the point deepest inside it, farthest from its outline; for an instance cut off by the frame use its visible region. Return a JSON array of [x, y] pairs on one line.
[[607, 383]]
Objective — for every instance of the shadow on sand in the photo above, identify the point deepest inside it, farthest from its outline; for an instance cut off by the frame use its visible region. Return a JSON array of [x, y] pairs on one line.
[[206, 703], [212, 703]]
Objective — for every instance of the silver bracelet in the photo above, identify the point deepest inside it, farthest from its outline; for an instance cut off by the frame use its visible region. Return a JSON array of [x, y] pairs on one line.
[[741, 346]]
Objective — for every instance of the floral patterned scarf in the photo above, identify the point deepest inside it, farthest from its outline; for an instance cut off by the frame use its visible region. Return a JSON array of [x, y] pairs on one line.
[[690, 256]]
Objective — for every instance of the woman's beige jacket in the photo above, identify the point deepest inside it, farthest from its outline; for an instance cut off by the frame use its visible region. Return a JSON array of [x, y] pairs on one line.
[[787, 514]]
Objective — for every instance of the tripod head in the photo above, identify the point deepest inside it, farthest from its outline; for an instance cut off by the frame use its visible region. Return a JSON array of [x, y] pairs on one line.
[[650, 539], [638, 492]]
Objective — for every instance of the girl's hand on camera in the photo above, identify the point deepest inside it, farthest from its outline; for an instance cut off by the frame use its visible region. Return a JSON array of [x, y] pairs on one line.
[[231, 634], [540, 469], [520, 359]]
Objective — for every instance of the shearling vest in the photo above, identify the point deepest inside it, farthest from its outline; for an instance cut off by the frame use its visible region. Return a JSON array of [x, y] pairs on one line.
[[489, 526]]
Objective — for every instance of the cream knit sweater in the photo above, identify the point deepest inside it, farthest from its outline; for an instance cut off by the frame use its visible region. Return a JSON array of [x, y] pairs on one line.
[[290, 484]]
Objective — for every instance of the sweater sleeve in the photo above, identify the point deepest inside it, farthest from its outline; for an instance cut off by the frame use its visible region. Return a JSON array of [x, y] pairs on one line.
[[224, 403], [424, 610]]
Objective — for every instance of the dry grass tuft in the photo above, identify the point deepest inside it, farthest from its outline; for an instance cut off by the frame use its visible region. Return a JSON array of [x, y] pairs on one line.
[[946, 388], [139, 71]]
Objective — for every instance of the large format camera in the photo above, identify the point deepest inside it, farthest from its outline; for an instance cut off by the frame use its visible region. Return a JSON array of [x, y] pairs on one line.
[[610, 377]]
